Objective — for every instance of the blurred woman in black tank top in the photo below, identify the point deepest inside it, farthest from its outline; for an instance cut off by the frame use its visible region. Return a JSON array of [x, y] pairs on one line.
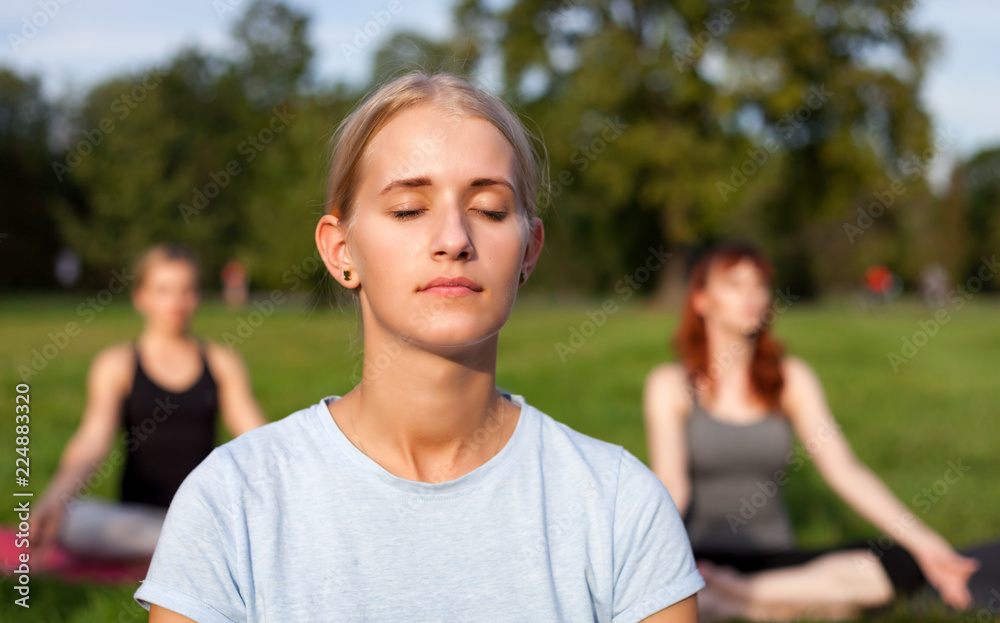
[[160, 395], [720, 425]]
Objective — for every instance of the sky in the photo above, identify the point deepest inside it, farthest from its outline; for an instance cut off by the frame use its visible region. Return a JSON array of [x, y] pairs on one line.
[[81, 42]]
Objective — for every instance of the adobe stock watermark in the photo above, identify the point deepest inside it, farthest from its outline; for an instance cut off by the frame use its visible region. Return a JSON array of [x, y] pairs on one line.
[[32, 25], [757, 157], [626, 287], [795, 460], [225, 7], [897, 18], [924, 500], [370, 30], [611, 130], [249, 149], [990, 612], [930, 327], [561, 12], [87, 311], [914, 167], [122, 107], [715, 26], [130, 439]]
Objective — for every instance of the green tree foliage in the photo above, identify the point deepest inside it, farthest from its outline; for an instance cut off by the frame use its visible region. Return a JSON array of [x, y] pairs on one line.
[[972, 212], [770, 120], [28, 237], [795, 123], [214, 152]]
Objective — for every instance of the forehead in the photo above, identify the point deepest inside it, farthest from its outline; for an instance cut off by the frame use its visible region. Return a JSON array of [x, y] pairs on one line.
[[428, 140], [169, 269], [743, 267]]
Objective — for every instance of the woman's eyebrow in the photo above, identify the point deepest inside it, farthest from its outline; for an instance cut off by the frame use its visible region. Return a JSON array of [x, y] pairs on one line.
[[415, 182], [489, 181], [412, 182]]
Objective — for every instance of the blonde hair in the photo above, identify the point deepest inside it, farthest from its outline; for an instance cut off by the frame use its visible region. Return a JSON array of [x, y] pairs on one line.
[[160, 253], [458, 97]]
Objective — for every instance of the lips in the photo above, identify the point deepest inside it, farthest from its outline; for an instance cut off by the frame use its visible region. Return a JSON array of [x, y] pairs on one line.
[[451, 286]]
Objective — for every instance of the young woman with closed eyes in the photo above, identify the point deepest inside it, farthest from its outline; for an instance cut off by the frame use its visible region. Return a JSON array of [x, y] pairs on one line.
[[425, 493]]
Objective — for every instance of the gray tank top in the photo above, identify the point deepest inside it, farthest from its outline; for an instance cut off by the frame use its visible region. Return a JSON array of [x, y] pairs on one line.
[[736, 505]]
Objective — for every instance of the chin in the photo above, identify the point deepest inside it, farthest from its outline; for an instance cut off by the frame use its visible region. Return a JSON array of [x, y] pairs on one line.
[[458, 334]]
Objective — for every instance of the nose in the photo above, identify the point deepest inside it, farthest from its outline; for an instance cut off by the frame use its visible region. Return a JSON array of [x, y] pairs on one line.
[[452, 238]]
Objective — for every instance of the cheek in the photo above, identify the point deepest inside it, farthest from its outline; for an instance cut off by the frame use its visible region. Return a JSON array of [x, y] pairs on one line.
[[735, 302], [505, 249]]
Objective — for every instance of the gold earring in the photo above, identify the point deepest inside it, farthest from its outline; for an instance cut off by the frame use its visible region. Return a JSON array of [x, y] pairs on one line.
[[347, 275]]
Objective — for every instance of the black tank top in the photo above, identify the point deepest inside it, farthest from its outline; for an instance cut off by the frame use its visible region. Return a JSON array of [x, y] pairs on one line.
[[167, 434]]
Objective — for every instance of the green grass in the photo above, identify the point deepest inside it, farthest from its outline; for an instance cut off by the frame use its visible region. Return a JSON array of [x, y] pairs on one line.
[[906, 425]]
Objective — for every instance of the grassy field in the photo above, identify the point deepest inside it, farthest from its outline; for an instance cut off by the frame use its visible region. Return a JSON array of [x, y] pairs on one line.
[[939, 406]]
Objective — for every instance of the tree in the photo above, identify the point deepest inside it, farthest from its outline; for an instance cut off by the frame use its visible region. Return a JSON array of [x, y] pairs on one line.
[[273, 55], [769, 120], [186, 152], [974, 204], [28, 236]]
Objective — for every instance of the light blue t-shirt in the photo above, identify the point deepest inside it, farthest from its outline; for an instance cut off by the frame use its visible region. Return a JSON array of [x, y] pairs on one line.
[[292, 522]]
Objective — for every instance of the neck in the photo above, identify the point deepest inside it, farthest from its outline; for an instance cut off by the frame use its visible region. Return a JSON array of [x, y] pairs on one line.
[[427, 416], [730, 353], [155, 334]]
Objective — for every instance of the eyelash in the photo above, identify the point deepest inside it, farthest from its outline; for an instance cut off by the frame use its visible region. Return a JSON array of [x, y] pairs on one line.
[[405, 215]]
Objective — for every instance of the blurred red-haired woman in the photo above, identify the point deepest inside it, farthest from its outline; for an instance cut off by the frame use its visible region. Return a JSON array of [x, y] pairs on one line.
[[720, 427]]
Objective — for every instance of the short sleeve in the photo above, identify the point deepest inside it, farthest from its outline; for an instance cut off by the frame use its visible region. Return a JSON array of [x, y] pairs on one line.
[[195, 568], [653, 564]]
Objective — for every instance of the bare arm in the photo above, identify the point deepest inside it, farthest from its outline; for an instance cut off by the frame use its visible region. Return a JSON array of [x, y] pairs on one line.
[[805, 402], [665, 407], [240, 411], [162, 615], [684, 611], [107, 383]]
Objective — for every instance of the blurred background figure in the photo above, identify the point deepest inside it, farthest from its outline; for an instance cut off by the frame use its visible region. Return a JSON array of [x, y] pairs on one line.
[[934, 284], [881, 286], [720, 427], [234, 284], [67, 268], [160, 394]]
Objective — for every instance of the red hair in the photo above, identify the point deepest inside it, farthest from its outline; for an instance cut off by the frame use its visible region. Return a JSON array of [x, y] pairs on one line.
[[691, 343]]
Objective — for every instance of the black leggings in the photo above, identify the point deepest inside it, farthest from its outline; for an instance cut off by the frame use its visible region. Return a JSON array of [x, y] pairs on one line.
[[899, 565]]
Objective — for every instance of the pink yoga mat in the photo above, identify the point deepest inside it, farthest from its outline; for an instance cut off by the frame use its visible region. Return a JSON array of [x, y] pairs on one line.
[[57, 563]]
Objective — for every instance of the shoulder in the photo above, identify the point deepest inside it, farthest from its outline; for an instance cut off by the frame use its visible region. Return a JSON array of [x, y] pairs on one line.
[[574, 459], [293, 433], [591, 462], [802, 385], [223, 361], [798, 375], [261, 453], [792, 366], [114, 363], [668, 388], [557, 434]]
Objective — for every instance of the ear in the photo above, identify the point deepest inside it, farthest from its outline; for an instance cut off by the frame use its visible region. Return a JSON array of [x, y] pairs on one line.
[[332, 245], [536, 238], [136, 299], [699, 302]]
